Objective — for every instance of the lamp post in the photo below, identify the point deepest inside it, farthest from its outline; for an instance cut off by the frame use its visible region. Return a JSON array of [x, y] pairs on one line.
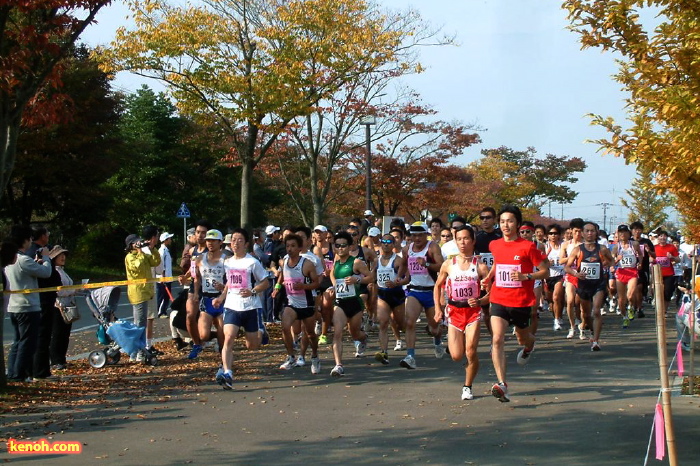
[[368, 120]]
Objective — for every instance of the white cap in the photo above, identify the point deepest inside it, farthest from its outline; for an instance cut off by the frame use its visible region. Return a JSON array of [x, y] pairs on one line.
[[374, 231], [165, 235], [320, 228], [368, 212], [271, 229], [418, 227], [214, 234]]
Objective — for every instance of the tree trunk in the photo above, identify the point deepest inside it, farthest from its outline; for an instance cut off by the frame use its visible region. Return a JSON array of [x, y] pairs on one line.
[[315, 194], [10, 133], [246, 178]]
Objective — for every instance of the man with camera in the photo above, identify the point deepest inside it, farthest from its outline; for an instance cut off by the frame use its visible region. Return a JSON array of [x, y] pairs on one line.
[[141, 256]]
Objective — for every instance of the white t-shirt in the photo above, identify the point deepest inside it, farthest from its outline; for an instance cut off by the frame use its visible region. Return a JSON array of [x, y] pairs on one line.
[[449, 250], [241, 274]]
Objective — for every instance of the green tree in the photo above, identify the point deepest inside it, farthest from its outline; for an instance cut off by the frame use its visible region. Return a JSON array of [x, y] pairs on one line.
[[647, 203], [528, 181], [251, 66]]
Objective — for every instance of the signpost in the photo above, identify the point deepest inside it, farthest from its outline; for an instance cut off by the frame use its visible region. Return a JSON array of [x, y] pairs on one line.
[[184, 213]]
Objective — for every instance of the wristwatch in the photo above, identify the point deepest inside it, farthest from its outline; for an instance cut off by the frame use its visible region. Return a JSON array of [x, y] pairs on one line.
[[253, 292], [529, 276]]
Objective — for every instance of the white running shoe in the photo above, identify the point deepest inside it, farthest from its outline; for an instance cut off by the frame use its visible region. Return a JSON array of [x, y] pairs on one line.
[[315, 366], [571, 333], [439, 351], [360, 348], [595, 346], [582, 334], [301, 362], [399, 345], [288, 363], [557, 325], [338, 371], [467, 393], [317, 329], [408, 362], [524, 356]]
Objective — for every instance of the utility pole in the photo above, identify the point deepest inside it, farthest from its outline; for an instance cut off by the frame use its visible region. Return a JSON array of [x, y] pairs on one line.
[[605, 206]]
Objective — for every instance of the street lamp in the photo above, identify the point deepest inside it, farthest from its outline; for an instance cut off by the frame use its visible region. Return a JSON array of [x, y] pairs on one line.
[[368, 120]]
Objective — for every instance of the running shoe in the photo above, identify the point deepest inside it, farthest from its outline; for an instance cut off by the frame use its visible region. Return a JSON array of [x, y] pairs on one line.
[[219, 372], [408, 362], [439, 351], [288, 363], [524, 356], [264, 336], [300, 362], [154, 351], [315, 366], [467, 393], [582, 334], [140, 356], [571, 333], [630, 313], [382, 357], [500, 391], [228, 381], [196, 349], [603, 311], [338, 371], [545, 306], [595, 346], [399, 345], [317, 328], [360, 348], [640, 313], [625, 322], [557, 325], [323, 340]]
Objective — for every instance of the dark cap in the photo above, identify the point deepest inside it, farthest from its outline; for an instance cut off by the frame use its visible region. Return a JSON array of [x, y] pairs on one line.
[[623, 227], [131, 239]]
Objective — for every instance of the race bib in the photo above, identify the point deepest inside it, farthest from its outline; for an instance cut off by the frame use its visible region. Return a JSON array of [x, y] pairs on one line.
[[462, 290], [343, 290], [237, 279], [628, 261], [328, 263], [383, 276], [591, 269], [503, 279], [193, 268], [487, 259], [415, 268], [663, 261], [289, 285], [208, 285]]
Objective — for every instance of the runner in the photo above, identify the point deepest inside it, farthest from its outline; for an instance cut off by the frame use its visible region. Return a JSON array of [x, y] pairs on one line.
[[391, 276], [367, 256], [460, 278], [209, 282], [512, 293], [450, 249], [555, 282], [527, 232], [424, 260], [445, 236], [488, 233], [247, 279], [626, 254], [666, 256], [573, 305], [300, 278], [648, 254], [348, 273], [588, 262], [326, 287], [316, 258]]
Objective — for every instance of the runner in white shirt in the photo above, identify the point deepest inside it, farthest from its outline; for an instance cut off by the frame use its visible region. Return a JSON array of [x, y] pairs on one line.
[[246, 279]]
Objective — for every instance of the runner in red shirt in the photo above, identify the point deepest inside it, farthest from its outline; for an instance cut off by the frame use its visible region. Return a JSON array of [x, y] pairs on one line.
[[512, 293], [666, 256]]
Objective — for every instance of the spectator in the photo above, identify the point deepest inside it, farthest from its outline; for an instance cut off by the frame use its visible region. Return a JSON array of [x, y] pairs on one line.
[[40, 239], [60, 335], [49, 315], [165, 269], [24, 309], [141, 256]]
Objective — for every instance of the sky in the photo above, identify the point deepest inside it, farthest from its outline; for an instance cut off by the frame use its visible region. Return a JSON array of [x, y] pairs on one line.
[[517, 72]]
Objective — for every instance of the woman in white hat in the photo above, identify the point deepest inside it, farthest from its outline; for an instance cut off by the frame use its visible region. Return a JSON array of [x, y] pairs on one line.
[[60, 336]]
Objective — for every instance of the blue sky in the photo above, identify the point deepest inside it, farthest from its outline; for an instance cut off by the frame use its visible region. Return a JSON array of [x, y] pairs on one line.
[[518, 72]]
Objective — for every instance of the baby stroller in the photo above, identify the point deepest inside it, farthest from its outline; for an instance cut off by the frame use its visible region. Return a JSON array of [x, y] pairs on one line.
[[119, 335]]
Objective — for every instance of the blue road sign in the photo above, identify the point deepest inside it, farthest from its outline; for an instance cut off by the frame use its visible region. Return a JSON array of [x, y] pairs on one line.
[[183, 211]]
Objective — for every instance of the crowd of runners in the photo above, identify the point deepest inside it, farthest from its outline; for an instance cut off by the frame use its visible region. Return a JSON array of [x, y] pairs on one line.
[[453, 278]]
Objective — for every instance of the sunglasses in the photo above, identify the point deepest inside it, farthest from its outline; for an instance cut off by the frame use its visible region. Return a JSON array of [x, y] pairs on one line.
[[527, 231], [341, 245], [553, 233], [485, 217], [386, 241], [445, 236]]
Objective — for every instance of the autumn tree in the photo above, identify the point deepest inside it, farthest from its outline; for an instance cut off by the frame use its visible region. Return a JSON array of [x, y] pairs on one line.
[[659, 64], [35, 36], [251, 66], [526, 180], [646, 203]]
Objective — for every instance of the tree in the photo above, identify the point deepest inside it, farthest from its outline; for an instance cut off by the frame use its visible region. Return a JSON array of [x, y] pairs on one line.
[[35, 36], [528, 181], [647, 204], [659, 70], [63, 165], [251, 66]]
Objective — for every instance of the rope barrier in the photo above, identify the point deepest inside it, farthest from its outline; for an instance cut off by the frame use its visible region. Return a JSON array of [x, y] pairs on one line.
[[86, 286]]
